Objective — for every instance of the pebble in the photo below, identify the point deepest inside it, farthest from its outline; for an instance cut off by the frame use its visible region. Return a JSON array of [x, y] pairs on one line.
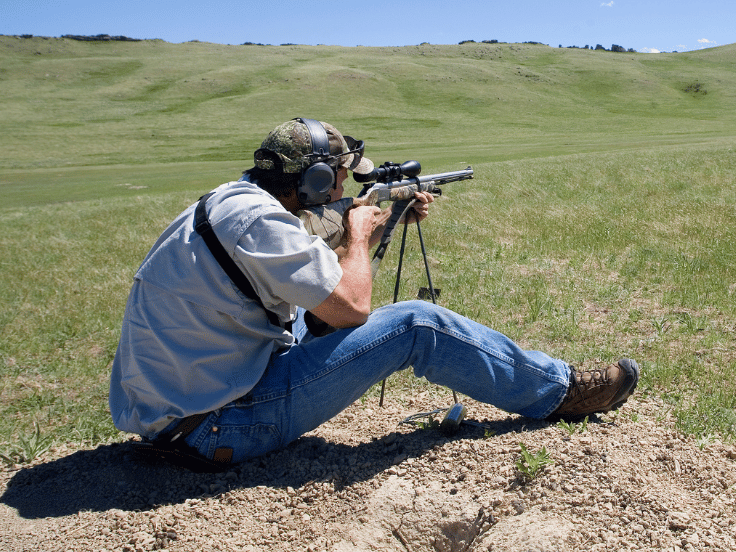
[[679, 521]]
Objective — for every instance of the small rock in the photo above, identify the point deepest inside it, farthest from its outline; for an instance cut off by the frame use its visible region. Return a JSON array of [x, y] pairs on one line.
[[518, 506], [679, 521]]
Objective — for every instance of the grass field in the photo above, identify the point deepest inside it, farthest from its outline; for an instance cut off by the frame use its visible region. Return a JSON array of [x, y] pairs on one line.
[[600, 223]]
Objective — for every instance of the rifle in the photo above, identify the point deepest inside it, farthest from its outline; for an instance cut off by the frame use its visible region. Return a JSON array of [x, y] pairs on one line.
[[398, 183], [394, 182]]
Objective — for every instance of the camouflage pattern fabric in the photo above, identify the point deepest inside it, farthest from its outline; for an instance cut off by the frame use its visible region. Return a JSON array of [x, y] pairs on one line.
[[292, 143]]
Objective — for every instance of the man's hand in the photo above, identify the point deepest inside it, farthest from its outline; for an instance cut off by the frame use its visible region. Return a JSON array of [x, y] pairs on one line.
[[420, 209], [360, 223]]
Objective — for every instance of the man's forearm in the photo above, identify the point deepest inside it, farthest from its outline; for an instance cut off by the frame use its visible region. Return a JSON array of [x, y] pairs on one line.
[[356, 270], [349, 304]]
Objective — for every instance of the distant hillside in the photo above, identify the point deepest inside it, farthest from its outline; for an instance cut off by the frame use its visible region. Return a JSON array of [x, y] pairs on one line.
[[68, 102], [107, 38], [86, 38]]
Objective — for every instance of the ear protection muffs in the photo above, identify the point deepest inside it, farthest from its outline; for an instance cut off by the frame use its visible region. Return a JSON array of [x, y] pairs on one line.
[[319, 178]]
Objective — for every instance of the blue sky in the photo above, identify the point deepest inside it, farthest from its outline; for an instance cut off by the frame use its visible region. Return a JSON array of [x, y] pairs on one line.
[[644, 25]]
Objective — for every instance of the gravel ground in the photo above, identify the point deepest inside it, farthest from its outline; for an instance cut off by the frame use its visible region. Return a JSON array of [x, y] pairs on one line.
[[629, 481]]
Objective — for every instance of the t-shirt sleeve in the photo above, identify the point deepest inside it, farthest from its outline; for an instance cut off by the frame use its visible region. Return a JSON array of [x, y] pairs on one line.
[[285, 264]]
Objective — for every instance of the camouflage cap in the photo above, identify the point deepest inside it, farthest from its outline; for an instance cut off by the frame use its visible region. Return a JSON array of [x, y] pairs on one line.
[[292, 143]]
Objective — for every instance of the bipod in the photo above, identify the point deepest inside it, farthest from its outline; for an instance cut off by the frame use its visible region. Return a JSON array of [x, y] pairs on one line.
[[453, 415]]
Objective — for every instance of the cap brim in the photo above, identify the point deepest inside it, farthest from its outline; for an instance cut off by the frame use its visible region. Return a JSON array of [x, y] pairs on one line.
[[365, 166]]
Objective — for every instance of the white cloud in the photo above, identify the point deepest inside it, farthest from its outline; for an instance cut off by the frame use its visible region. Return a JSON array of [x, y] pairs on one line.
[[608, 5], [650, 51], [706, 41]]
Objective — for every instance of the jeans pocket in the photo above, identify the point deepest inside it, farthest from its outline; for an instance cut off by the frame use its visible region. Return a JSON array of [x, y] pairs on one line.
[[246, 441]]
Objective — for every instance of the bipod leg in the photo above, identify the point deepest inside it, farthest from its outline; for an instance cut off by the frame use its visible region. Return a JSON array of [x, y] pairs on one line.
[[429, 281], [426, 264], [396, 296], [401, 263]]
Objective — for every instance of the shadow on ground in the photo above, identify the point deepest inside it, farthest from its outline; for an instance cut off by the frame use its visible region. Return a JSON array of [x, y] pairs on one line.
[[115, 476]]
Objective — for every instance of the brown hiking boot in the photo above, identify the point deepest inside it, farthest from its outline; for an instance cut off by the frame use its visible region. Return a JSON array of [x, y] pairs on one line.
[[600, 390]]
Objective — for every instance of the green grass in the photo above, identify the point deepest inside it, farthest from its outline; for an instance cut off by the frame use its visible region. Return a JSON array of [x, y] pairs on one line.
[[138, 103], [530, 465], [600, 223]]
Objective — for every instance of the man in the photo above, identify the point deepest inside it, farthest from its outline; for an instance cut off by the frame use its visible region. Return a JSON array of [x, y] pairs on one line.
[[229, 373]]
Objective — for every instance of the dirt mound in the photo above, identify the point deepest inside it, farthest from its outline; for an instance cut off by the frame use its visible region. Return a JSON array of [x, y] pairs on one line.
[[626, 481]]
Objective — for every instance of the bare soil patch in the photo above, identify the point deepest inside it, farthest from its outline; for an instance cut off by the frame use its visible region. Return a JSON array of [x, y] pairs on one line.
[[630, 481]]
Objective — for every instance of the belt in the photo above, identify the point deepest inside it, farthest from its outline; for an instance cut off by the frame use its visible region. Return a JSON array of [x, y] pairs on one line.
[[183, 428]]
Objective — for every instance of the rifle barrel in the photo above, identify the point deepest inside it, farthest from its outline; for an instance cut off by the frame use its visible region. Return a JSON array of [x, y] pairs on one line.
[[451, 176]]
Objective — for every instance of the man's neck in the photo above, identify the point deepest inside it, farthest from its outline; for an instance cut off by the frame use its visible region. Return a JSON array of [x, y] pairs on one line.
[[291, 203]]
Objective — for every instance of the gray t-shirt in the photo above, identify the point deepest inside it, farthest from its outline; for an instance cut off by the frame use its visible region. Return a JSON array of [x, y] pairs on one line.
[[190, 341]]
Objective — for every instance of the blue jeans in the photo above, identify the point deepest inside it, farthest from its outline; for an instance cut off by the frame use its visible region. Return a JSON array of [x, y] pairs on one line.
[[317, 378]]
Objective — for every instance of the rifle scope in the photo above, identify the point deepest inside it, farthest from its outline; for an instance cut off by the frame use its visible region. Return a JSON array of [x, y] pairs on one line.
[[389, 172]]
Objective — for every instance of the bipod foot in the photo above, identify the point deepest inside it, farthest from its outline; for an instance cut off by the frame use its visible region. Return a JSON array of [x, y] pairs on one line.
[[454, 416]]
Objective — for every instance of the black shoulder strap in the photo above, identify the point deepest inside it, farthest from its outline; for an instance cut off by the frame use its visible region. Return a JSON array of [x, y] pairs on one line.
[[203, 227]]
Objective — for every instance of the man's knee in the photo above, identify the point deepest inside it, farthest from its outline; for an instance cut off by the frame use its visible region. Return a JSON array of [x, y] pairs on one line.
[[412, 313]]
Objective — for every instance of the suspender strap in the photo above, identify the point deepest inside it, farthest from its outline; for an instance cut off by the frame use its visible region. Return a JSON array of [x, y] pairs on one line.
[[203, 227]]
